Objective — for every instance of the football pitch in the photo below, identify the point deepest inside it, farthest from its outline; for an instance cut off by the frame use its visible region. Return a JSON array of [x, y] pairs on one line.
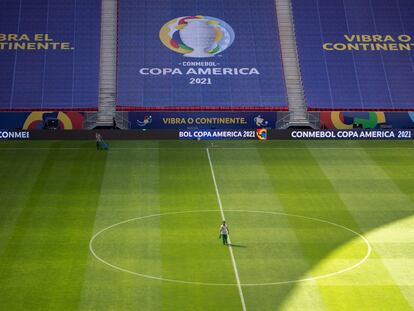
[[313, 225]]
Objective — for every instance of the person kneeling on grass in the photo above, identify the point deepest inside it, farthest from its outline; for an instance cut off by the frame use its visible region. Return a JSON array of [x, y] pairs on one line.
[[224, 232], [100, 143], [98, 138]]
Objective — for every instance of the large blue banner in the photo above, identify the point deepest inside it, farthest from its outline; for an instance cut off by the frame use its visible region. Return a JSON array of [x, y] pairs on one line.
[[199, 53], [356, 54], [49, 54]]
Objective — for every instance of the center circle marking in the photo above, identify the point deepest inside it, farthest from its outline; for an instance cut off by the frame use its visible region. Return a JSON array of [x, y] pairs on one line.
[[318, 277]]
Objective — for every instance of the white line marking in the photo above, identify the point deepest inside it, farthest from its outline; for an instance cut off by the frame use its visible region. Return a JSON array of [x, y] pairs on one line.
[[229, 245], [215, 148], [317, 277]]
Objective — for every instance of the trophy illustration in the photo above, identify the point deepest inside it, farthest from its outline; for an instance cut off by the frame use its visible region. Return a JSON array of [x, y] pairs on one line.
[[200, 36]]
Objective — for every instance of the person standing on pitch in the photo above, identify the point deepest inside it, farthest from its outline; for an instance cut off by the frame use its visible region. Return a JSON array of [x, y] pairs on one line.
[[224, 232]]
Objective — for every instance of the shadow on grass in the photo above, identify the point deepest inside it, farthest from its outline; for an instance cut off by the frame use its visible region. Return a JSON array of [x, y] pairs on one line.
[[317, 184], [237, 245]]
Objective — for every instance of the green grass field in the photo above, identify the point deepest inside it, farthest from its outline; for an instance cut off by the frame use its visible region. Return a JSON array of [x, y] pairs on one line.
[[295, 211]]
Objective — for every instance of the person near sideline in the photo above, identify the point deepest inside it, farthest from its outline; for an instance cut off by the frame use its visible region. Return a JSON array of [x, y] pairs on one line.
[[224, 232], [98, 141]]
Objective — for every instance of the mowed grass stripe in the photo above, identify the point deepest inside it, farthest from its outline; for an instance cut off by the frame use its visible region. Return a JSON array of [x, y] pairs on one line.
[[14, 192], [130, 189], [190, 246], [42, 267], [341, 168], [304, 190], [269, 249], [307, 190], [399, 242], [228, 242], [133, 185]]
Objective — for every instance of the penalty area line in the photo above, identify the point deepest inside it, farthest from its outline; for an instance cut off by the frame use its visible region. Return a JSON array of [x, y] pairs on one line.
[[233, 260]]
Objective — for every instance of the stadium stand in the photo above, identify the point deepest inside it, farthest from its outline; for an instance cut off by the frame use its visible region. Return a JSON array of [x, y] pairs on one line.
[[344, 70], [256, 45], [353, 56], [49, 54]]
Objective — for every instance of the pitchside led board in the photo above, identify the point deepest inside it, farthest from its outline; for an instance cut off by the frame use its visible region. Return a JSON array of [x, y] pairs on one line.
[[49, 54], [204, 53]]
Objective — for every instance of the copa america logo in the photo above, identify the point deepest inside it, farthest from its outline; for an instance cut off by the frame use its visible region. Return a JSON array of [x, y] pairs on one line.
[[197, 36]]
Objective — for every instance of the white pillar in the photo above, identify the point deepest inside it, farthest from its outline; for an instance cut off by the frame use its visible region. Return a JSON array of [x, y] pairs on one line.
[[108, 54], [291, 66]]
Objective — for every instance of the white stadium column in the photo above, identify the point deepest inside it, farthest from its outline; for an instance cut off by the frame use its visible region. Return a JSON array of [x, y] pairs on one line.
[[108, 63], [298, 115]]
